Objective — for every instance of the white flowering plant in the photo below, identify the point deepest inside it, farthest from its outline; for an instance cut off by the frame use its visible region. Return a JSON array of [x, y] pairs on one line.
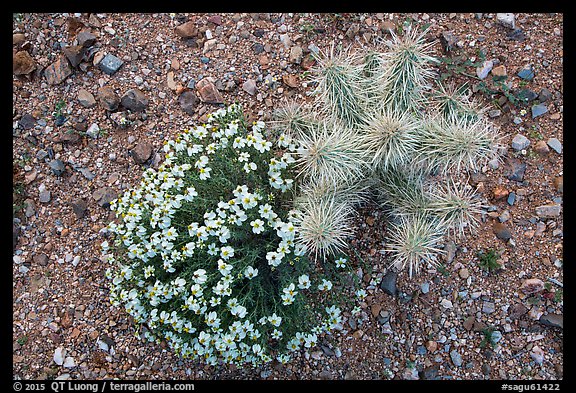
[[205, 255]]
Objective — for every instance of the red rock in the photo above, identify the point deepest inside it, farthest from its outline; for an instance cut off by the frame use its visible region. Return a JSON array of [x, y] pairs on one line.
[[58, 71], [186, 30], [23, 63], [208, 92], [532, 285]]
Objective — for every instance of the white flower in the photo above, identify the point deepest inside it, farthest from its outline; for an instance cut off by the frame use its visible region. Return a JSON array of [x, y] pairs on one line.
[[325, 285], [250, 272], [249, 167], [204, 173], [340, 262], [304, 282], [257, 226], [275, 320], [274, 258], [226, 252], [199, 276]]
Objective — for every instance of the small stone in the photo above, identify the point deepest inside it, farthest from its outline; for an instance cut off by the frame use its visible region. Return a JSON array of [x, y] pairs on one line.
[[520, 142], [79, 208], [488, 307], [142, 152], [501, 231], [134, 100], [86, 99], [499, 192], [85, 39], [516, 169], [446, 303], [538, 110], [541, 148], [469, 322], [44, 196], [57, 167], [110, 64], [553, 320], [74, 54], [456, 358], [59, 356], [388, 283], [58, 71], [186, 30], [537, 354], [482, 72], [295, 55], [506, 19], [532, 285], [526, 73], [517, 311], [548, 211], [23, 63], [425, 287], [559, 184], [555, 145], [208, 93], [108, 98], [448, 40], [104, 196], [249, 86], [499, 70], [188, 102]]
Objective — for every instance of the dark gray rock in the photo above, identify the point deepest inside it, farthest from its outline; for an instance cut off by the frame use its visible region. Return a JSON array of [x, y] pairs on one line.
[[57, 167], [188, 102], [86, 39], [515, 169], [388, 283], [27, 121], [110, 64], [553, 320], [108, 98], [134, 100], [104, 196]]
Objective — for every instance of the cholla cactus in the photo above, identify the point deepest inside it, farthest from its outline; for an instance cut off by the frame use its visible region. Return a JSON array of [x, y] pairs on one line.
[[378, 116]]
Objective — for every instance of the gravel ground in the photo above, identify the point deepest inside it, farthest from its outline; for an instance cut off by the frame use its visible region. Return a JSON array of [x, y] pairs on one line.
[[83, 132]]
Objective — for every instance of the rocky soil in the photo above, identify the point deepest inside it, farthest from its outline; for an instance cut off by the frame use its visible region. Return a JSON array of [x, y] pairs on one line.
[[96, 95]]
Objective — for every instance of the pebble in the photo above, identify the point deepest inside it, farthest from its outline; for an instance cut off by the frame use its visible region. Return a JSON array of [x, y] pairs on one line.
[[425, 287], [526, 73], [520, 142], [501, 231], [538, 110], [456, 358], [548, 211], [482, 72], [249, 86], [110, 64], [134, 100], [446, 303], [555, 145], [57, 167], [388, 283], [488, 307], [44, 196], [553, 320]]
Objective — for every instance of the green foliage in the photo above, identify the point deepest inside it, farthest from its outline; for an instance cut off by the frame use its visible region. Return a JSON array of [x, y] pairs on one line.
[[488, 260]]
